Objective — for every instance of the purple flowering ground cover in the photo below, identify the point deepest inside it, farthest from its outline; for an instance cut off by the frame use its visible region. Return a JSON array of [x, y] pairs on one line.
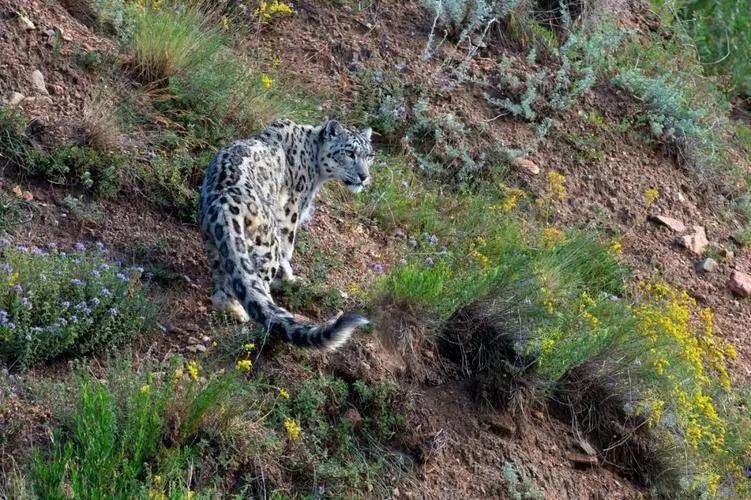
[[55, 302]]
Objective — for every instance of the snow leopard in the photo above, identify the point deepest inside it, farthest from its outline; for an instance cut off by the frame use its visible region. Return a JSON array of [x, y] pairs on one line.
[[256, 193]]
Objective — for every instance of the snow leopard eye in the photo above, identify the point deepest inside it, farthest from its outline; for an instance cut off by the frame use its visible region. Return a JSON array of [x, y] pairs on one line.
[[351, 155]]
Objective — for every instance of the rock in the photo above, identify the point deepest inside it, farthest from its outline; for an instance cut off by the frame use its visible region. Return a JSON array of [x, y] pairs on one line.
[[740, 284], [706, 266], [42, 99], [527, 165], [14, 98], [586, 447], [205, 339], [26, 23], [193, 340], [37, 78], [695, 242], [669, 222], [582, 460], [197, 348], [501, 426]]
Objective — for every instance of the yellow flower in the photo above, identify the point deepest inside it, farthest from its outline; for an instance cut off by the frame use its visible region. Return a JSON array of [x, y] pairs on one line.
[[293, 429], [266, 81], [513, 196], [145, 389], [277, 62], [283, 393], [225, 22], [244, 365], [249, 346], [193, 370], [556, 183], [191, 494], [616, 247], [650, 196], [551, 236], [157, 479]]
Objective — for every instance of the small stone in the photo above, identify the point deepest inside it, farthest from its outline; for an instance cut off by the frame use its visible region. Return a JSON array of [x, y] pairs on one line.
[[398, 233], [681, 198], [37, 78], [27, 24], [696, 242], [501, 426], [706, 266], [412, 242], [582, 460], [586, 447], [527, 165], [193, 340], [669, 222], [197, 348], [344, 295], [14, 98], [740, 284], [205, 339]]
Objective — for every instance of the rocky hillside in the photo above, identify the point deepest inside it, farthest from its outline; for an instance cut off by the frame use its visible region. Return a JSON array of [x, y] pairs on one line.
[[554, 254]]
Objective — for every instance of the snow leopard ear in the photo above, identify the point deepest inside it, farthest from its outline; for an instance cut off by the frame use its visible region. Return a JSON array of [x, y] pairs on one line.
[[332, 129], [366, 133]]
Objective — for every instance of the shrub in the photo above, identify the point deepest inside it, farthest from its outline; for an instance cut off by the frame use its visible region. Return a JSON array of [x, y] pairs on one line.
[[721, 32], [442, 145], [172, 183], [134, 436], [58, 303], [75, 166], [380, 102]]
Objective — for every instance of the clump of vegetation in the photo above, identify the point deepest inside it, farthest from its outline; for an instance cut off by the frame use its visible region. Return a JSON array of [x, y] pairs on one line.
[[95, 171], [55, 303], [380, 103], [518, 485], [721, 32], [137, 435]]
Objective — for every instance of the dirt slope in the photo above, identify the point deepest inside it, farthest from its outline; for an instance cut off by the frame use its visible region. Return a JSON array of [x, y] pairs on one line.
[[459, 446]]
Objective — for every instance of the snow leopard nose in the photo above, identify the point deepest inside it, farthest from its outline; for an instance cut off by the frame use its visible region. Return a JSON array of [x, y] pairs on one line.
[[363, 176]]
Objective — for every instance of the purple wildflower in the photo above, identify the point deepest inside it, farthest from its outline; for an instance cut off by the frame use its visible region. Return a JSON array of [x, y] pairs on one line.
[[136, 269], [65, 304], [22, 248], [95, 301], [112, 312], [96, 274], [36, 329], [76, 282], [100, 246], [74, 319], [122, 277], [52, 245], [105, 292], [42, 277], [76, 261], [26, 303], [79, 246], [18, 289], [3, 316], [81, 306], [377, 267], [429, 261], [11, 326], [37, 251], [7, 268], [62, 321], [104, 266], [4, 242]]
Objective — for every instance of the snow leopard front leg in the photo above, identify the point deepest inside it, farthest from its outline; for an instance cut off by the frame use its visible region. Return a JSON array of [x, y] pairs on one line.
[[287, 228]]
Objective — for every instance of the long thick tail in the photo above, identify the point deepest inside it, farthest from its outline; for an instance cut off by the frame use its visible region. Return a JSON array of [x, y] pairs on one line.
[[253, 294]]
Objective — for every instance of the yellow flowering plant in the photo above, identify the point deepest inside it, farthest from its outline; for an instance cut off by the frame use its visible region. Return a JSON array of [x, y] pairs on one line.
[[268, 10]]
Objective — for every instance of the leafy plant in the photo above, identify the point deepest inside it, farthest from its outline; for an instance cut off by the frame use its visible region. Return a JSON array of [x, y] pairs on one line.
[[54, 303]]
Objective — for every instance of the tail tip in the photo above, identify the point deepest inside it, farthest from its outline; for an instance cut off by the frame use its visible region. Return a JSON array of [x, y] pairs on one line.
[[342, 329]]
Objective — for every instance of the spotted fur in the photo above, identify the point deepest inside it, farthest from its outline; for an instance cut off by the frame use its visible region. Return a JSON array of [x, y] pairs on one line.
[[255, 194]]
